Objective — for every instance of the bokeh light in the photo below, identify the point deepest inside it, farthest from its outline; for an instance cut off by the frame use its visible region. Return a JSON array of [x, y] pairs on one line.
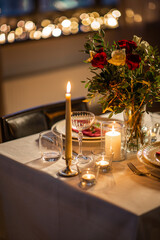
[[19, 31], [11, 37], [45, 22], [13, 29], [116, 13], [46, 32], [56, 32], [152, 5], [95, 25], [4, 28], [66, 23], [129, 12], [2, 38], [29, 25], [137, 18], [37, 35], [112, 22], [21, 23]]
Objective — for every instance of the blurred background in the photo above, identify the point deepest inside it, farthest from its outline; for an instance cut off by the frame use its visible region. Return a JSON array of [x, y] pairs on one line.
[[40, 43]]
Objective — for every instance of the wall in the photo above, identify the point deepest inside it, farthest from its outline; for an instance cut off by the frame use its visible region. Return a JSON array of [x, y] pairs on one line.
[[36, 89]]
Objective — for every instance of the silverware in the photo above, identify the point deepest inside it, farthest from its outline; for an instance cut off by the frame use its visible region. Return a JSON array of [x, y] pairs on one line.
[[139, 173]]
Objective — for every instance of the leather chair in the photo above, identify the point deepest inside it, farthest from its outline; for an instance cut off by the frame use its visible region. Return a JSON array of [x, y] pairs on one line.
[[37, 119]]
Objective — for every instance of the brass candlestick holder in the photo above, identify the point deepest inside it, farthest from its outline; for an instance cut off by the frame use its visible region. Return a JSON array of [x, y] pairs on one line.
[[68, 172]]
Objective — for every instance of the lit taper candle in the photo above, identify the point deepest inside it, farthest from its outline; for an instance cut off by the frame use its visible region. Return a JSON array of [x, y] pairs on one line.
[[68, 143]]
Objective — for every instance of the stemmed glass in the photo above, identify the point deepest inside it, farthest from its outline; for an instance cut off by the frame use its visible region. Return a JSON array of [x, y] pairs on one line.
[[81, 120]]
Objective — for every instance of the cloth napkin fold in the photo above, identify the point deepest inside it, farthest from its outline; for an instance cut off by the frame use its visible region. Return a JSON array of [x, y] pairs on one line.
[[90, 132]]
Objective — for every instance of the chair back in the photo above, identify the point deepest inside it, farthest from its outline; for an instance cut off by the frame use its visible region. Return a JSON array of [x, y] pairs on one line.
[[37, 119]]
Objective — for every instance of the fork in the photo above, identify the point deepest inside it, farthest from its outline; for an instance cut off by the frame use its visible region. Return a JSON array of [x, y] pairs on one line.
[[139, 173]]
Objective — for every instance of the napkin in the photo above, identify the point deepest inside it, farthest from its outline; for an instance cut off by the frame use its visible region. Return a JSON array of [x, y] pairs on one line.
[[90, 132]]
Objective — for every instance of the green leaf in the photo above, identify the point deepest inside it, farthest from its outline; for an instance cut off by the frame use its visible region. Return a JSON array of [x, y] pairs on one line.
[[102, 32], [96, 36], [110, 115], [87, 84], [107, 109], [87, 46]]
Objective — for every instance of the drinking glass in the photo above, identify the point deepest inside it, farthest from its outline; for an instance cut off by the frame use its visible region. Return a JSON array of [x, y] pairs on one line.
[[155, 118], [81, 120], [50, 145]]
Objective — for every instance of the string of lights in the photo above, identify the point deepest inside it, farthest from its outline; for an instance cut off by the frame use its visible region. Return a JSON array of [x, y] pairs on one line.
[[47, 28]]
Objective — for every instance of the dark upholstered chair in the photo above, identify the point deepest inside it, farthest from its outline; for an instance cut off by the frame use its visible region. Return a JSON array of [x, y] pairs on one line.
[[34, 120]]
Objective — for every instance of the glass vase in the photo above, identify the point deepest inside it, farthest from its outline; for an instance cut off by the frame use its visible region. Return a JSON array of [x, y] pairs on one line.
[[134, 121]]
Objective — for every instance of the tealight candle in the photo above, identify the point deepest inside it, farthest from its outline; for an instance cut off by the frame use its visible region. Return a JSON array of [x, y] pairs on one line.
[[103, 164], [68, 142], [113, 143], [88, 178]]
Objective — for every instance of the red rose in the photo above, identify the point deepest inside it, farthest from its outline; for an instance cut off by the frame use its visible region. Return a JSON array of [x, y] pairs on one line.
[[99, 60], [128, 45], [133, 61], [100, 50]]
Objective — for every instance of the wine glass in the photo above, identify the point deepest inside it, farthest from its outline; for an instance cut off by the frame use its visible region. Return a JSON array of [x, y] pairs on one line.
[[81, 120]]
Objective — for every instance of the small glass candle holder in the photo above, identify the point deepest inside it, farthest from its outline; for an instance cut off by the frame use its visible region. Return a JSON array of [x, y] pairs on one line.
[[102, 160], [88, 173], [113, 140]]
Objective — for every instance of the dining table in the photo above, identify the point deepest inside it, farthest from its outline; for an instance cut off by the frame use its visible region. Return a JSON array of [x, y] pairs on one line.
[[36, 203]]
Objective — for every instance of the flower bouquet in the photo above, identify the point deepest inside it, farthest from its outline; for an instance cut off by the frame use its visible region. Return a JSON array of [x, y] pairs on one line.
[[126, 77]]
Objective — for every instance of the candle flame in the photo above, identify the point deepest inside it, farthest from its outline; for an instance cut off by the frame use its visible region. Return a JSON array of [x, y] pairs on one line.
[[68, 87], [113, 129]]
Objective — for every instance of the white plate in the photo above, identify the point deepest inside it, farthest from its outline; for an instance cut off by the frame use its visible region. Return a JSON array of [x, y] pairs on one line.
[[60, 127], [149, 153], [151, 167]]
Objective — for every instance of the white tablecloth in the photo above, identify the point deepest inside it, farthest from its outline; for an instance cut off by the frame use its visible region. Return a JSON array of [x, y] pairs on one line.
[[36, 203]]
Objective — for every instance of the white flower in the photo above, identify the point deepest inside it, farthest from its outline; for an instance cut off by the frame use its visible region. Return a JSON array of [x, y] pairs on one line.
[[145, 46], [137, 39]]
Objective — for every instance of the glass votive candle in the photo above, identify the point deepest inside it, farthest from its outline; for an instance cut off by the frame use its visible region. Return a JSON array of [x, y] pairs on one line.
[[88, 173], [102, 160], [113, 140]]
